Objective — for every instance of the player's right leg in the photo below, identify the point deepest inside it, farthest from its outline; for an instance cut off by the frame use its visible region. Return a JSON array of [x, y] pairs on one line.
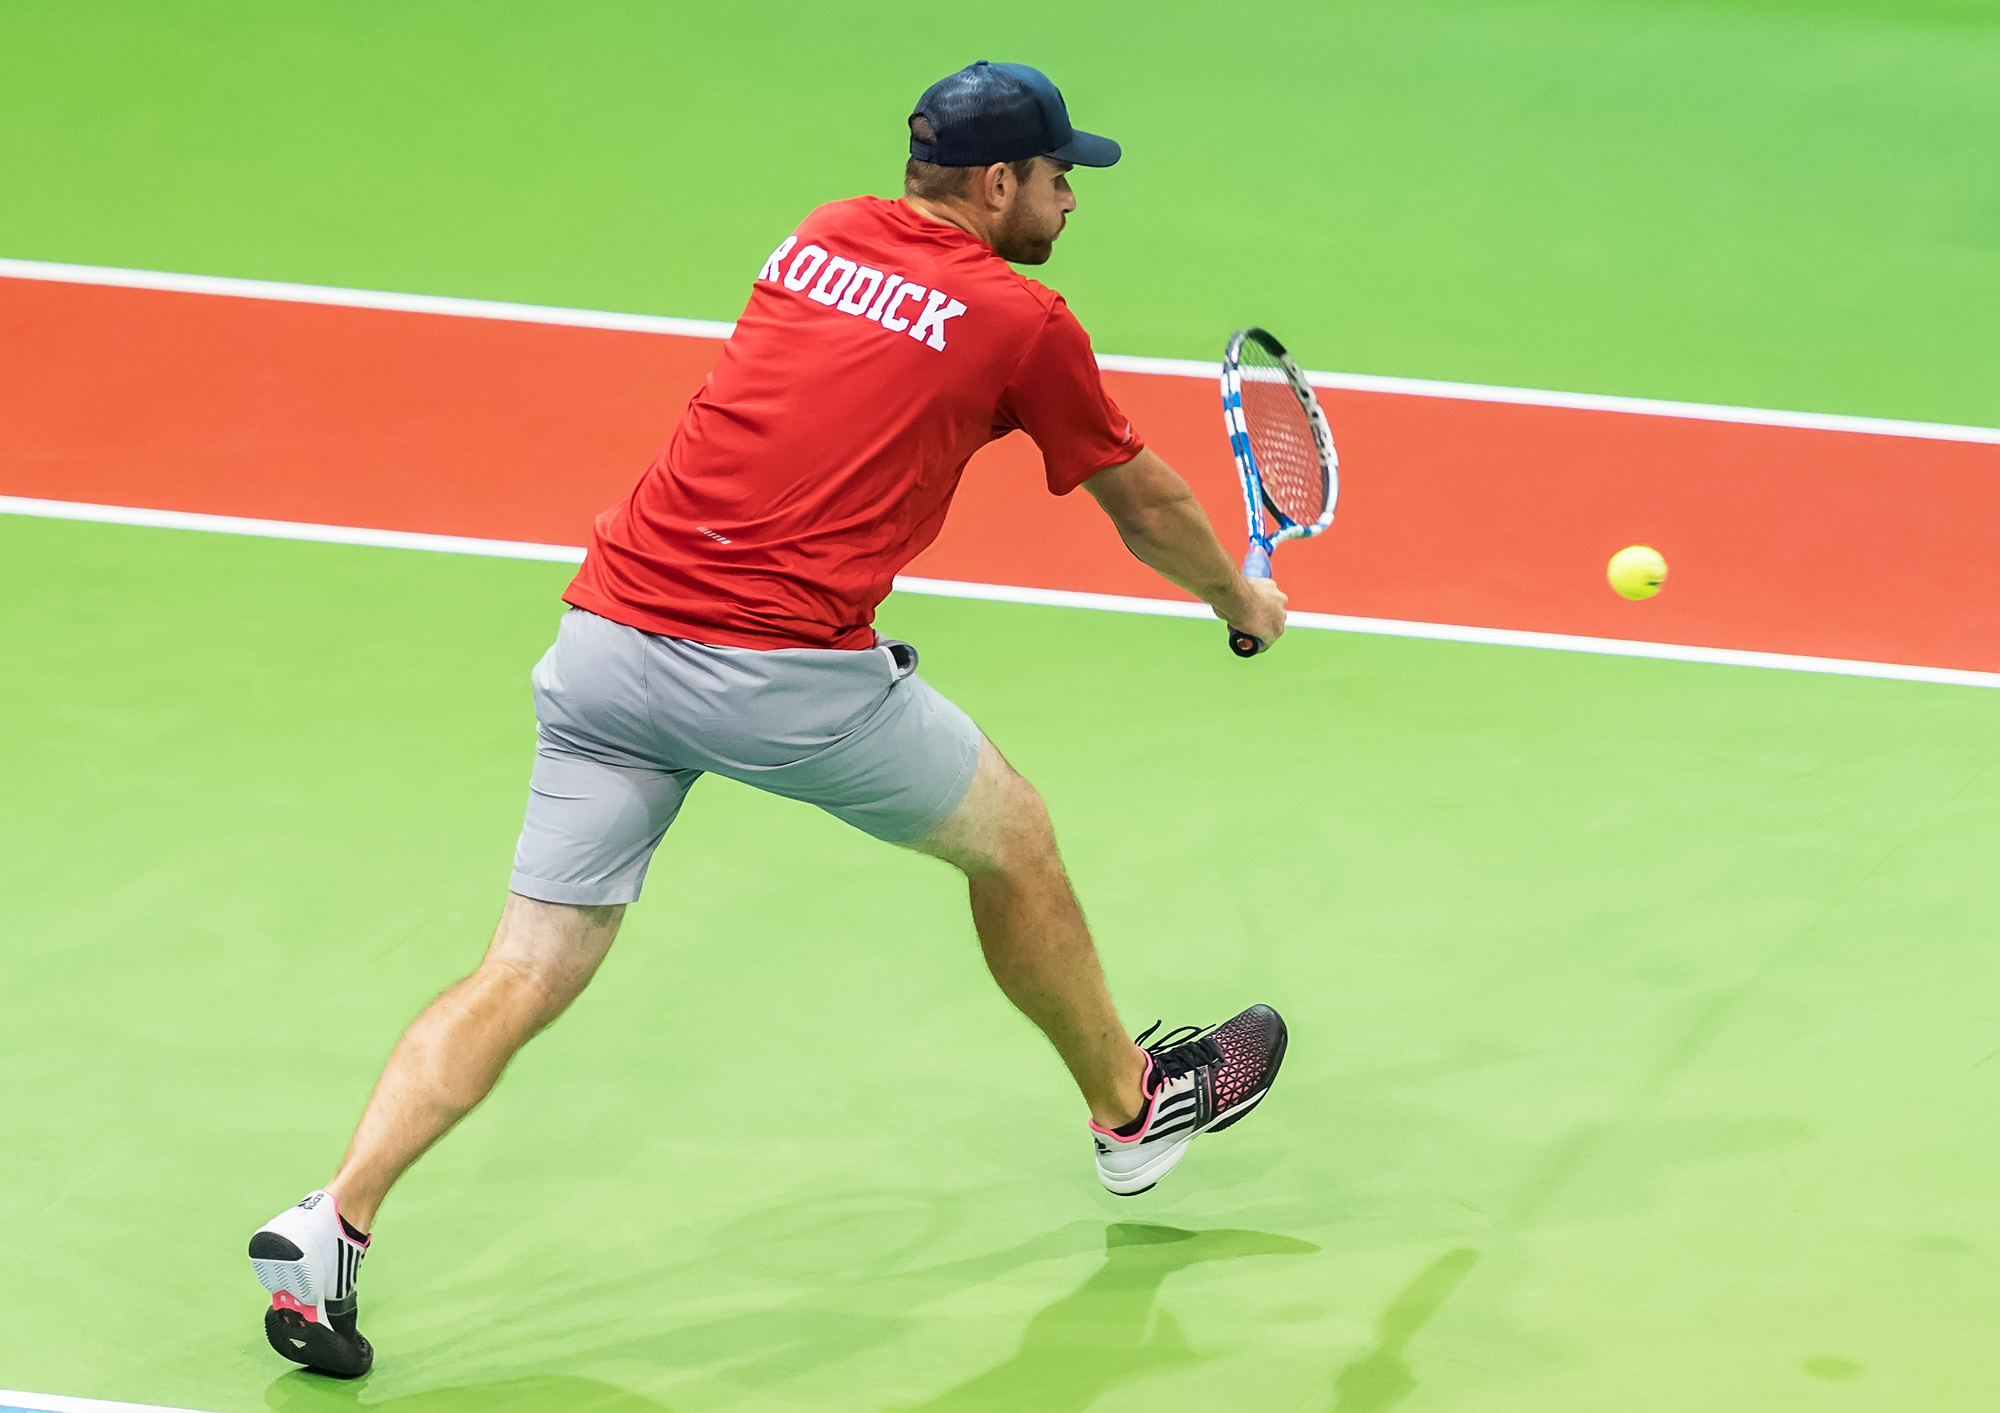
[[1147, 1103], [1033, 935], [862, 736]]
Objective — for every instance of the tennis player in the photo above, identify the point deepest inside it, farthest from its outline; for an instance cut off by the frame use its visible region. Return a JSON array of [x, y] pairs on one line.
[[721, 623]]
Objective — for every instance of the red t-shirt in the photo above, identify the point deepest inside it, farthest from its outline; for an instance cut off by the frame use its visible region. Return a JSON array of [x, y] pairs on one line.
[[880, 349]]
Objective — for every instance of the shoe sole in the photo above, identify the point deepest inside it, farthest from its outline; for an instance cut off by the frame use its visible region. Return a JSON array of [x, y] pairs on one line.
[[282, 1268], [1155, 1169], [312, 1344], [1164, 1164]]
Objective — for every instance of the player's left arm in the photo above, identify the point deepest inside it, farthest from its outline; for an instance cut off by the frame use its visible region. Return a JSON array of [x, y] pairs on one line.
[[1164, 525]]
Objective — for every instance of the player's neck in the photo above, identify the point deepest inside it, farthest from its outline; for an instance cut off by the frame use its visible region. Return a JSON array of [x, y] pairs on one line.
[[949, 216]]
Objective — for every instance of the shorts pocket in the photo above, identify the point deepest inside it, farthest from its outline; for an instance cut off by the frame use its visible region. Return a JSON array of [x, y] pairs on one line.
[[902, 656]]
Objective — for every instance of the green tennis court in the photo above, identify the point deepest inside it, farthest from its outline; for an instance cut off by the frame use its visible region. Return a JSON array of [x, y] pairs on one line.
[[1644, 1042]]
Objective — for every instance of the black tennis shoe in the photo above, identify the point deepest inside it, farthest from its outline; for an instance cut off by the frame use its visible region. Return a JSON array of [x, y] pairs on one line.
[[309, 1259], [1197, 1081]]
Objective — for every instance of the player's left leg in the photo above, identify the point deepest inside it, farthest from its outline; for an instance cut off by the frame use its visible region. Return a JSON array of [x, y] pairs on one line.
[[309, 1256], [598, 804], [541, 957]]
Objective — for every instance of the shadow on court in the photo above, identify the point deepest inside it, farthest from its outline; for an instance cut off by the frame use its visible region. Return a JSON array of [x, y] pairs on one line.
[[1381, 1379], [851, 1308], [1098, 1336], [300, 1392], [1107, 1332]]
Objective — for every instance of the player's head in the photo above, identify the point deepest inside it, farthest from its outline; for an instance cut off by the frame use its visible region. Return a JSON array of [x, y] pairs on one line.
[[994, 141]]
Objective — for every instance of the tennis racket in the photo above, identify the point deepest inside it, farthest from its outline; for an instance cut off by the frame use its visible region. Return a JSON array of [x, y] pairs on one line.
[[1284, 452]]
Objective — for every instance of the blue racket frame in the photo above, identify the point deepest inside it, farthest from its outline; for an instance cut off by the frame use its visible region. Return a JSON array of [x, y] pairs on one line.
[[1257, 503]]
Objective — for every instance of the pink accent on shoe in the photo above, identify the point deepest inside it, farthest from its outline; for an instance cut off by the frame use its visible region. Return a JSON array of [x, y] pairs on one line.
[[285, 1300], [1152, 1093], [342, 1224]]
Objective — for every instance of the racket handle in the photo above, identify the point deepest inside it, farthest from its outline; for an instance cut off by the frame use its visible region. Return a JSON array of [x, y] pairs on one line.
[[1256, 565]]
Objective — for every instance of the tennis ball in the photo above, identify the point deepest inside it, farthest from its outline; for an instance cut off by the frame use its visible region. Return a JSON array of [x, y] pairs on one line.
[[1637, 571]]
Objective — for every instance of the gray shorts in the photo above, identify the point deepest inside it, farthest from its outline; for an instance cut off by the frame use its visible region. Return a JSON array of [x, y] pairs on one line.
[[629, 720]]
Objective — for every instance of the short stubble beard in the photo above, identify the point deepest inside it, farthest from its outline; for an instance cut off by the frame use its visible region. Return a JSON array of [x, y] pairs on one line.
[[1018, 242]]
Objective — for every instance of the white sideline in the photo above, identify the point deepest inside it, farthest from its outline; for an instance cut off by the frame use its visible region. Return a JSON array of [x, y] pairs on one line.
[[285, 529], [233, 288], [1120, 363], [1010, 593], [1584, 402], [1466, 633], [58, 1403]]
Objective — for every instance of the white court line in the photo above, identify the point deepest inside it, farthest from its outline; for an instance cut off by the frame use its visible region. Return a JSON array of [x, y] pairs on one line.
[[285, 529], [1010, 593], [1465, 633], [58, 1403], [1584, 402], [1119, 363], [360, 298]]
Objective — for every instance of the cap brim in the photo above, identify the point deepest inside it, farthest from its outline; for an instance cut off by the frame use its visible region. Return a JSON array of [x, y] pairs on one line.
[[1087, 149]]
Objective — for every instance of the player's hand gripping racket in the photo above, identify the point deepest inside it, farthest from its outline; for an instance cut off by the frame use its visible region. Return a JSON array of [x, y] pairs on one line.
[[1284, 452]]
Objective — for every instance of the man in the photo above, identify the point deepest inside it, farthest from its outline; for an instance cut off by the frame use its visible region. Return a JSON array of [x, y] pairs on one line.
[[721, 623]]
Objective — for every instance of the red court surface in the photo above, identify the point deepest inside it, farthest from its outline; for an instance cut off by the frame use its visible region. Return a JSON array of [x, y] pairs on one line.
[[1822, 543]]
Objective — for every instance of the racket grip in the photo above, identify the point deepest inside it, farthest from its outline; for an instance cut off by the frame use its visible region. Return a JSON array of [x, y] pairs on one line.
[[1256, 565]]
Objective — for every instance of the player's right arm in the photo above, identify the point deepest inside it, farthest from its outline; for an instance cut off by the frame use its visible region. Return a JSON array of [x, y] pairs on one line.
[[1164, 525]]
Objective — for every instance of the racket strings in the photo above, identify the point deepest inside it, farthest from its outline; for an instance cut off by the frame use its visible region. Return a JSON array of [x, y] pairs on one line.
[[1281, 438]]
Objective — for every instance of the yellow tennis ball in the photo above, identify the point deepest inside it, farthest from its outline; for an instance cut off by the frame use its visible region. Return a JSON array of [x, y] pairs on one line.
[[1637, 571]]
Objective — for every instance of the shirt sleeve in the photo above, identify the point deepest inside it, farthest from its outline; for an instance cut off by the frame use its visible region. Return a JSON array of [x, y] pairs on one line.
[[1057, 398]]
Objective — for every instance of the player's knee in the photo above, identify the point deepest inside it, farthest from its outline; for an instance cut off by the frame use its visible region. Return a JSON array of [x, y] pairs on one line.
[[1001, 826], [1025, 837], [532, 996], [1028, 812]]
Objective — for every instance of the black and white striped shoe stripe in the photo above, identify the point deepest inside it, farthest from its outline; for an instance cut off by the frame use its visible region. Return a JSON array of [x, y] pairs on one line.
[[1169, 1117], [1175, 1108], [347, 1258]]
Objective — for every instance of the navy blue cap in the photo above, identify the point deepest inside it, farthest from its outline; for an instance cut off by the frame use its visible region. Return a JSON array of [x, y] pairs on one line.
[[987, 113]]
